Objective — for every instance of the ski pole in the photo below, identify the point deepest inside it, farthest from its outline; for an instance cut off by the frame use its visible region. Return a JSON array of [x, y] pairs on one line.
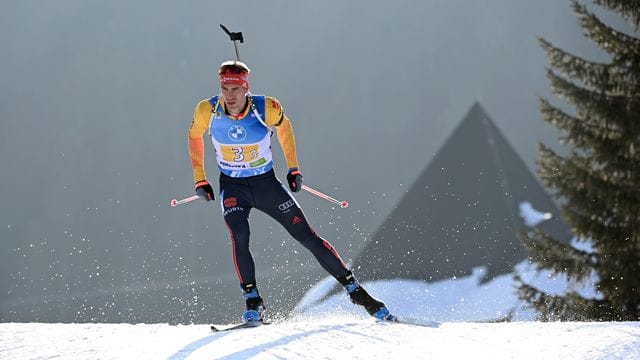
[[343, 204], [175, 202]]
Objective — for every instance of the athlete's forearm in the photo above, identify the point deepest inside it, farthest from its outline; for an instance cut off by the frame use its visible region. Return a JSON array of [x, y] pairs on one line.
[[287, 142], [196, 154]]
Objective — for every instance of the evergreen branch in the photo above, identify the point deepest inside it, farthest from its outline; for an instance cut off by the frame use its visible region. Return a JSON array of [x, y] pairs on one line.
[[616, 109], [570, 307], [606, 37], [607, 141], [600, 226], [581, 132], [595, 207], [586, 185], [549, 164], [613, 79], [619, 272], [619, 182], [560, 258], [629, 10]]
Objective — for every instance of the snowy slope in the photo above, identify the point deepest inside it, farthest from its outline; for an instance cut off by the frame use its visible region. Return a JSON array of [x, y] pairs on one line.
[[462, 299], [327, 326], [326, 338], [470, 298]]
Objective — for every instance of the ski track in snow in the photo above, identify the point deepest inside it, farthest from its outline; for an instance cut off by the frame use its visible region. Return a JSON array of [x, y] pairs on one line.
[[323, 338]]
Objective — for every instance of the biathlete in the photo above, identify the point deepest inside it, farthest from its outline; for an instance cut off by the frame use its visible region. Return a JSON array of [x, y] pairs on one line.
[[240, 124]]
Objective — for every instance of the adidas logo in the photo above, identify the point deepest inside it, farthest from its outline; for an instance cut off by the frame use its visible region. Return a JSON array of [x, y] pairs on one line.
[[295, 220]]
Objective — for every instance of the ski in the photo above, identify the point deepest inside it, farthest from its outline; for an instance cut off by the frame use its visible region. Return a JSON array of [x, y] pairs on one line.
[[415, 322], [402, 320], [246, 325]]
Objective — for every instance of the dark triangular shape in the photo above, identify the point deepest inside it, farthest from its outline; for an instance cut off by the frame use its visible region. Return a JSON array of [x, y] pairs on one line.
[[461, 213]]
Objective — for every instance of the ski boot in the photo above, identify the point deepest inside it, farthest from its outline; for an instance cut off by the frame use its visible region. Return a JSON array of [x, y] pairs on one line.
[[360, 296], [255, 307]]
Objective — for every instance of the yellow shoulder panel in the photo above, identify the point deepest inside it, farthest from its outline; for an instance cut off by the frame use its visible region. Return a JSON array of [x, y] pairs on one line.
[[273, 111]]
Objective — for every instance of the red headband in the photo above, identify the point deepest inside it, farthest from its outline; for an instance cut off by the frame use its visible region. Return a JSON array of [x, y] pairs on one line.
[[234, 79]]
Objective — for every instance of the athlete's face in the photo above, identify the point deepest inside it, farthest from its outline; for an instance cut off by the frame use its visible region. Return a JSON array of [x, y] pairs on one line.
[[234, 97]]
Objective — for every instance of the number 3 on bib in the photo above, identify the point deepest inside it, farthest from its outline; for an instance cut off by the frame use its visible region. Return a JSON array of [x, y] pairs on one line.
[[239, 153]]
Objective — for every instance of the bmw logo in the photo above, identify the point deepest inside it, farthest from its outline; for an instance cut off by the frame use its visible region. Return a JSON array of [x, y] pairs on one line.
[[237, 133]]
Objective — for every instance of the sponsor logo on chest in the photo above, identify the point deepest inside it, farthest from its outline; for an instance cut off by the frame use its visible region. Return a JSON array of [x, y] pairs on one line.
[[237, 133]]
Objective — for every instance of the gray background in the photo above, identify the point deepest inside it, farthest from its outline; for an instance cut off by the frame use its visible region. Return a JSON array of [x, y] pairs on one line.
[[96, 98]]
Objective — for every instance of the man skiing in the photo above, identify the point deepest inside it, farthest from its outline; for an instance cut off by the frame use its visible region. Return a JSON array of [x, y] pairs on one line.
[[240, 124]]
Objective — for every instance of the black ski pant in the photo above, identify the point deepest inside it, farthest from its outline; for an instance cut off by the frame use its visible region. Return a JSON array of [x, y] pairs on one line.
[[265, 193]]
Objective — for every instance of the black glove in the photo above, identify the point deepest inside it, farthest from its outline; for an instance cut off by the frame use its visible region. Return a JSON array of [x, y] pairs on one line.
[[294, 178], [204, 190]]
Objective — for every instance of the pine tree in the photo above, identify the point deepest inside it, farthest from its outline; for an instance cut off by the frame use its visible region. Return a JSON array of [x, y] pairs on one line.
[[598, 179]]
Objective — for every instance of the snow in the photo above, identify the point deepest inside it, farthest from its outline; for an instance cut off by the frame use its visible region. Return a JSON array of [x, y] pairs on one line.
[[325, 325], [328, 337], [531, 216], [453, 300], [470, 298], [328, 326]]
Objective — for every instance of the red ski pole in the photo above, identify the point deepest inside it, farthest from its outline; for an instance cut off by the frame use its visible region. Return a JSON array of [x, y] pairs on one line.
[[343, 204], [175, 202]]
